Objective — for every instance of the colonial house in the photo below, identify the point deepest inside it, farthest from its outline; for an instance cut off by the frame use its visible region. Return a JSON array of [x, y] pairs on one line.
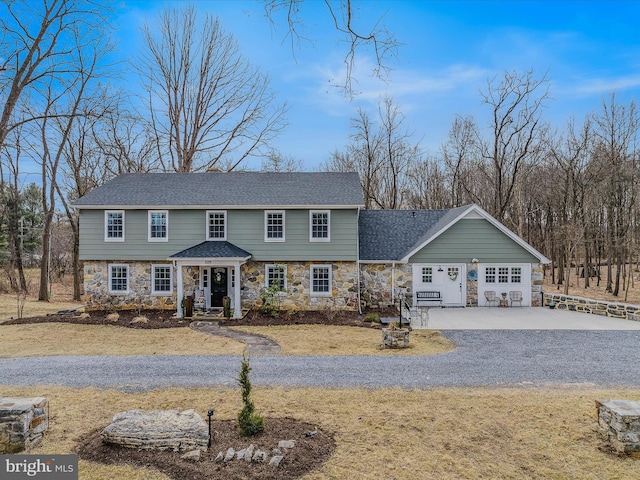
[[150, 240]]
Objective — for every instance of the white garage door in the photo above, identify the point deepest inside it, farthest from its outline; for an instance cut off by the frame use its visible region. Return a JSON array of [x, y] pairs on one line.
[[504, 278]]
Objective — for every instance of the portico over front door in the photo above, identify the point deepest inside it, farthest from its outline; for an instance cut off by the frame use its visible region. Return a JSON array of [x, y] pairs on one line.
[[218, 285]]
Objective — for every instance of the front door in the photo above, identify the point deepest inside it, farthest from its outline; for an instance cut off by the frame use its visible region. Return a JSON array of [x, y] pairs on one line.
[[446, 278], [218, 286]]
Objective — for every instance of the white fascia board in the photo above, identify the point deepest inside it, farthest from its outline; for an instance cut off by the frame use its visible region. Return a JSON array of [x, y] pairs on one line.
[[217, 207], [476, 209], [209, 260], [381, 262]]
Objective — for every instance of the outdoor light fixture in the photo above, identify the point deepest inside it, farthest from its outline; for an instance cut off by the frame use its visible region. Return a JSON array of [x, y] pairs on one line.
[[440, 268], [474, 260], [210, 414]]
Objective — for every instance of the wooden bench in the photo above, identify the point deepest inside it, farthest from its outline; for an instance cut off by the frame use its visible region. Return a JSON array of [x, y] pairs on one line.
[[427, 296]]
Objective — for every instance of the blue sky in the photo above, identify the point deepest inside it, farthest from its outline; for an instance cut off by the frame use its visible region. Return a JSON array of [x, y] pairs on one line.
[[589, 49]]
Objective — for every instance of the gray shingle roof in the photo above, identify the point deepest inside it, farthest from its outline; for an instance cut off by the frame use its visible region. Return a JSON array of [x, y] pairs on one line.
[[389, 235], [227, 189], [212, 250]]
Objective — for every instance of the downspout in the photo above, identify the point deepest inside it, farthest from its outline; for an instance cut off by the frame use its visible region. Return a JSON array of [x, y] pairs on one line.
[[358, 260], [393, 283]]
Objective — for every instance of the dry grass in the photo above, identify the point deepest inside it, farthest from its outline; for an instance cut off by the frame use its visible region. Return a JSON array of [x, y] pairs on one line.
[[65, 339], [32, 307], [334, 340], [389, 433]]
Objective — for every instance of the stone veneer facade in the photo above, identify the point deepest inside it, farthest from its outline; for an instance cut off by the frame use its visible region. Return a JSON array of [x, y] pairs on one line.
[[379, 279], [252, 276], [344, 281], [96, 287], [376, 284]]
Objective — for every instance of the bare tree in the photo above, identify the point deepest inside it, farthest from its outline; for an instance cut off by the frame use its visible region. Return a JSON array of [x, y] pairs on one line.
[[381, 152], [35, 48], [276, 162], [516, 131], [207, 104], [343, 16]]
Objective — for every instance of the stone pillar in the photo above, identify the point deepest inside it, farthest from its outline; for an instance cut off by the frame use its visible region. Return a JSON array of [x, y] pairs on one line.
[[23, 421]]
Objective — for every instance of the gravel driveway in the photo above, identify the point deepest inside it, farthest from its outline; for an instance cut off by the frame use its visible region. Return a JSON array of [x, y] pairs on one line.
[[482, 358]]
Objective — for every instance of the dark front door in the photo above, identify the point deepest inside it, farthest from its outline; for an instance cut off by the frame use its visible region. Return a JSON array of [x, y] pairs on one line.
[[218, 286]]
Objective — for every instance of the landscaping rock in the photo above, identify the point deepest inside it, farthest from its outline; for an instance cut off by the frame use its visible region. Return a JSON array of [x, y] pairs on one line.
[[158, 430], [286, 444], [219, 457], [193, 455], [230, 454], [249, 454], [276, 460], [259, 456]]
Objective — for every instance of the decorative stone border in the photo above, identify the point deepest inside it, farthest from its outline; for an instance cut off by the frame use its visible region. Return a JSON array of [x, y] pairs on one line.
[[596, 307]]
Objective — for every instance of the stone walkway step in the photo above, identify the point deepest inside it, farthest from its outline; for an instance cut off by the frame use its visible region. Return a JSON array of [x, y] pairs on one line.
[[255, 343]]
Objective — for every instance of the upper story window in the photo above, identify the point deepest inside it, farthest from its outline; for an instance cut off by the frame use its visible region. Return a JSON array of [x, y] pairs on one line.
[[114, 226], [216, 225], [321, 280], [118, 279], [274, 226], [319, 226], [158, 226]]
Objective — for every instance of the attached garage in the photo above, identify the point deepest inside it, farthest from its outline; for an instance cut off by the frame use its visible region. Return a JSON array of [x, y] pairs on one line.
[[461, 253]]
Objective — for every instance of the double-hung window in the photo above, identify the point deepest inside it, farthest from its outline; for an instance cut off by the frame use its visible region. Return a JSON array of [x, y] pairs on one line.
[[321, 280], [118, 279], [114, 226], [274, 226], [319, 226], [161, 280], [216, 225], [158, 226], [276, 275]]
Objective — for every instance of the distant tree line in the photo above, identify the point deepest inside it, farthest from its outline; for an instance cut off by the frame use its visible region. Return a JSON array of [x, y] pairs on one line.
[[571, 193]]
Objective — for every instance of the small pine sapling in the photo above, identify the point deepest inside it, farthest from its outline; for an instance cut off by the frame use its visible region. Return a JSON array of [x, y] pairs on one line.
[[249, 422]]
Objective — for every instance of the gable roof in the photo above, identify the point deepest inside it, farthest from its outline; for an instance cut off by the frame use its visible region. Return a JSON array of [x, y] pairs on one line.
[[396, 235], [227, 189]]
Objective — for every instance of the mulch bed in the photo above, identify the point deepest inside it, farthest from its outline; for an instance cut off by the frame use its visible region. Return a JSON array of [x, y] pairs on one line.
[[309, 453], [166, 319]]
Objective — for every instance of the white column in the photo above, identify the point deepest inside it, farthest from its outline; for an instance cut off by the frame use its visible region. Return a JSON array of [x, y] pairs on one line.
[[237, 303], [180, 292]]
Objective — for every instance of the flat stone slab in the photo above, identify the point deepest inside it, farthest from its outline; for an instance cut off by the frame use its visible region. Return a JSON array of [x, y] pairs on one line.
[[158, 430], [623, 408]]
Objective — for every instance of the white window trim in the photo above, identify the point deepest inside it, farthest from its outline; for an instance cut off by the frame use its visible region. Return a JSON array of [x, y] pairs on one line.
[[206, 233], [316, 239], [153, 280], [157, 239], [118, 292], [269, 266], [106, 226], [266, 216], [321, 294]]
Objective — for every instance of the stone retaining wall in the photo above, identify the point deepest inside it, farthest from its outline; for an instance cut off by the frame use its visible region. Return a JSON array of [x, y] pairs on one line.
[[596, 307], [23, 421]]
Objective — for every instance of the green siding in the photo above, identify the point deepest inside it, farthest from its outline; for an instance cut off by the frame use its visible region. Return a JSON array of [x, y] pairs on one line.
[[245, 229], [473, 238]]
